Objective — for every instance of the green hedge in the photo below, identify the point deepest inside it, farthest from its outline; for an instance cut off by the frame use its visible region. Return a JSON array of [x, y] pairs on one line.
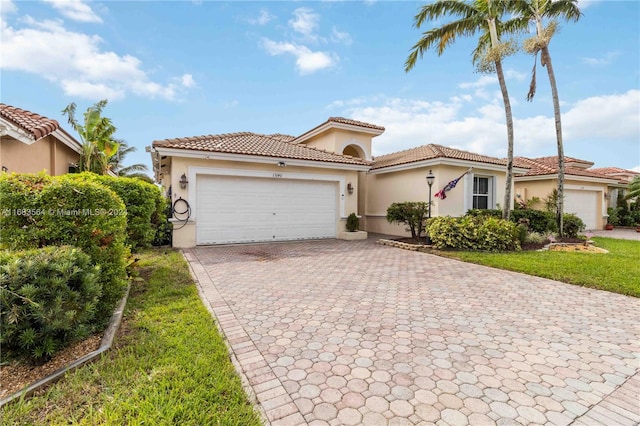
[[48, 299], [61, 212], [143, 201], [473, 233], [536, 220]]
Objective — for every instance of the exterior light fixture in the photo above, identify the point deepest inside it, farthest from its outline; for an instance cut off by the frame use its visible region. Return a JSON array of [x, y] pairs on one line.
[[282, 164], [430, 179], [606, 195], [183, 181], [350, 188]]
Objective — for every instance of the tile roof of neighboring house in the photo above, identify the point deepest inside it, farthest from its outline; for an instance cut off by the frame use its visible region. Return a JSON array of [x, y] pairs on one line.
[[427, 152], [552, 161], [549, 166], [34, 124], [247, 143], [370, 128], [354, 123], [617, 173]]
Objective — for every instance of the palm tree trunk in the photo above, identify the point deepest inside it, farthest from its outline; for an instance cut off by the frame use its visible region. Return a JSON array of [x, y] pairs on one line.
[[506, 209], [545, 59]]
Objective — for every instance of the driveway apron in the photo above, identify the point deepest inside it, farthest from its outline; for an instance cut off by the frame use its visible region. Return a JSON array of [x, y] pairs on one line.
[[345, 333]]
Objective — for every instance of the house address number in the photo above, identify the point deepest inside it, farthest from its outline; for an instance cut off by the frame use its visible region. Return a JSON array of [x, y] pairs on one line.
[[277, 175]]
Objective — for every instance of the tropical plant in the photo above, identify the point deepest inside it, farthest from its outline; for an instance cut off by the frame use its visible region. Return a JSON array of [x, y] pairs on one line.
[[116, 162], [634, 188], [536, 12], [96, 133], [353, 223], [411, 213], [482, 16]]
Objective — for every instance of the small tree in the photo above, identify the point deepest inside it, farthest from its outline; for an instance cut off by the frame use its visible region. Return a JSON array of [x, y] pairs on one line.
[[411, 213], [353, 223]]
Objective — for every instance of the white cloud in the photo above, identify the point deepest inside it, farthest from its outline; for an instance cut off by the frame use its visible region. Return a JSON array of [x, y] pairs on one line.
[[305, 22], [264, 18], [341, 37], [77, 10], [413, 122], [7, 6], [605, 60], [307, 61], [77, 63], [187, 80]]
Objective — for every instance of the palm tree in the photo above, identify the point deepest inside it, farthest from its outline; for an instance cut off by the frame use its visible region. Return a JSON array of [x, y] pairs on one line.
[[116, 161], [96, 134], [634, 188], [477, 16], [537, 11]]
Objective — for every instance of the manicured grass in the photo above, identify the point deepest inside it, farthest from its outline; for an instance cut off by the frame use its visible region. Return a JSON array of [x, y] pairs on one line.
[[170, 366], [617, 271]]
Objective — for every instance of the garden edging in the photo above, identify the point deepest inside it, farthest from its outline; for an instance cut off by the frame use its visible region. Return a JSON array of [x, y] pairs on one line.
[[105, 345]]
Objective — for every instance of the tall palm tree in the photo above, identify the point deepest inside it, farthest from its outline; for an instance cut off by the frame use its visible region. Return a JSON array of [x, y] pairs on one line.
[[634, 188], [482, 16], [96, 133], [116, 162], [536, 12]]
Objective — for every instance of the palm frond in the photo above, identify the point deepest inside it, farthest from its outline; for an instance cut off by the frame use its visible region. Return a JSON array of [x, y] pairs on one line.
[[532, 84]]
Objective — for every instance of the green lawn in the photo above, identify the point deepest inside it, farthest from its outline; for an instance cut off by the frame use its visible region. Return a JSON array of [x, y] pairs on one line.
[[170, 366], [617, 271]]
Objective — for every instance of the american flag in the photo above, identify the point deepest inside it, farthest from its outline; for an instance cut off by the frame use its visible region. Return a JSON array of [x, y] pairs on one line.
[[448, 187]]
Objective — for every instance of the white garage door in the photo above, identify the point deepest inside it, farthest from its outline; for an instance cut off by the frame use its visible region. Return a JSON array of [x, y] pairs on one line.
[[233, 209], [584, 204]]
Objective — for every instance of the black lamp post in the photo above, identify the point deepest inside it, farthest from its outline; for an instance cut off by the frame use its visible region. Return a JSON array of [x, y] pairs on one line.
[[430, 179]]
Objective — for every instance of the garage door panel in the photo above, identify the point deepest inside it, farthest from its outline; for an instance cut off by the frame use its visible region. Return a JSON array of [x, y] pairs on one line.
[[583, 204], [243, 209]]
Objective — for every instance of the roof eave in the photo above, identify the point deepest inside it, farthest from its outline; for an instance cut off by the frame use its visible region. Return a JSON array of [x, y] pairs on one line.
[[8, 128], [328, 125], [444, 161], [567, 177], [262, 159]]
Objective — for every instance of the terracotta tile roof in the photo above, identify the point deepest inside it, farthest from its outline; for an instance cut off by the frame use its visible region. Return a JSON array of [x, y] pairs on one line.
[[247, 143], [354, 123], [617, 173], [549, 166], [34, 124], [552, 161], [427, 152]]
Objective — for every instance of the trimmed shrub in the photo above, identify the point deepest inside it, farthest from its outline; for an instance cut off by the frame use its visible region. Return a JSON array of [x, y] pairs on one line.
[[572, 224], [411, 213], [539, 221], [71, 212], [473, 233], [353, 223], [141, 201], [160, 220], [48, 299], [485, 213]]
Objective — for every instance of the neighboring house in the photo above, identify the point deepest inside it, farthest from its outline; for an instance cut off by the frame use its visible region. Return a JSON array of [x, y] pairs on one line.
[[623, 176], [245, 187], [586, 191], [401, 176], [31, 143]]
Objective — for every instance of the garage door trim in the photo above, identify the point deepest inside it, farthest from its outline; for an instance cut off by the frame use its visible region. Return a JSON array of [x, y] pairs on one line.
[[195, 171]]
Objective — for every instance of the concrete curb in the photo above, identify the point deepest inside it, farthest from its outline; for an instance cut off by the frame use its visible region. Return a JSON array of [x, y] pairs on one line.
[[405, 246], [105, 345]]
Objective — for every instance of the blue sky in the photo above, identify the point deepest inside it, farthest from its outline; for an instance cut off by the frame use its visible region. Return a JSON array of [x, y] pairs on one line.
[[187, 68]]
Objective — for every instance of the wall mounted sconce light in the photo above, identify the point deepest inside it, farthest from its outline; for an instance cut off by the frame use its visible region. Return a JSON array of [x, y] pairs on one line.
[[5, 169], [350, 188], [183, 181], [282, 164], [606, 196]]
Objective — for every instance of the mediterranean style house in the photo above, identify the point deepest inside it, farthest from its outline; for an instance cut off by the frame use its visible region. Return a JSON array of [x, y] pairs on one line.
[[250, 187], [32, 143]]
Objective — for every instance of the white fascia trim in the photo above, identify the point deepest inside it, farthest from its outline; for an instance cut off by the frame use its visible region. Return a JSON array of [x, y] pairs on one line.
[[333, 125], [185, 153], [7, 128], [584, 188], [194, 171], [566, 177], [445, 162], [68, 140]]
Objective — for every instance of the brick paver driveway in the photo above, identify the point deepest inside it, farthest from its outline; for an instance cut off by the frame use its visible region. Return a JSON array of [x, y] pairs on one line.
[[342, 333]]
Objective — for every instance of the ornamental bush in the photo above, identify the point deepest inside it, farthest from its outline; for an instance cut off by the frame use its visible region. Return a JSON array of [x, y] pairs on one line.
[[142, 201], [64, 211], [473, 233], [48, 298], [539, 221], [353, 223], [572, 224], [411, 213]]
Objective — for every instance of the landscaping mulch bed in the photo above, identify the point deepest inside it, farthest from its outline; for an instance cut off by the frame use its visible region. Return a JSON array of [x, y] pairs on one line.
[[17, 375], [525, 246]]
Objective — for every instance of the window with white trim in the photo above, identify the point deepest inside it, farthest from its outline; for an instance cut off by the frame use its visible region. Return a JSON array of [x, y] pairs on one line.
[[482, 192]]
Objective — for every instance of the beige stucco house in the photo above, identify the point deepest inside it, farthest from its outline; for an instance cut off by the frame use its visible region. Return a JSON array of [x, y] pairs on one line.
[[623, 177], [401, 176], [586, 191], [248, 187], [31, 143]]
